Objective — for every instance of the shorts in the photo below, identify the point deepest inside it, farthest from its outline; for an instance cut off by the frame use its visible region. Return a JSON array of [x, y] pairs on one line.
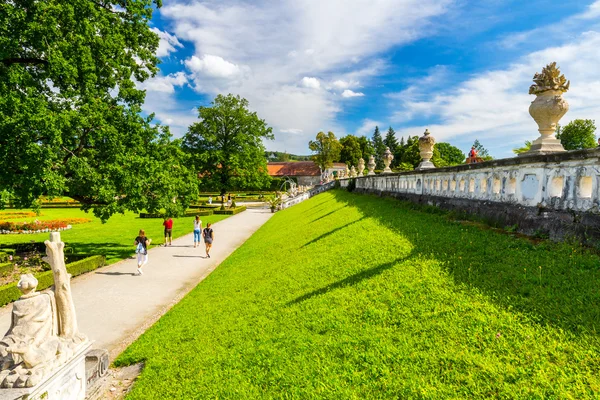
[[168, 232], [208, 240]]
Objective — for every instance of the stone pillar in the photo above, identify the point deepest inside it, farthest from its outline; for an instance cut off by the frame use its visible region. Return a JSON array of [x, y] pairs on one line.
[[361, 166], [371, 165], [548, 108], [426, 143], [387, 160]]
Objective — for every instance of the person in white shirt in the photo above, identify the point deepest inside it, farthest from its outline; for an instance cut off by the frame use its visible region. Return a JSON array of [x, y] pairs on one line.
[[197, 230]]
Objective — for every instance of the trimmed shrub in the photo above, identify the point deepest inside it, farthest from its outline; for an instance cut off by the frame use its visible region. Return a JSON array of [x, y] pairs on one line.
[[6, 268], [188, 213], [13, 248], [231, 211], [10, 292]]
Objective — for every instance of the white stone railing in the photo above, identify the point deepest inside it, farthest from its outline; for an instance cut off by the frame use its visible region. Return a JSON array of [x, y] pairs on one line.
[[307, 195], [561, 181]]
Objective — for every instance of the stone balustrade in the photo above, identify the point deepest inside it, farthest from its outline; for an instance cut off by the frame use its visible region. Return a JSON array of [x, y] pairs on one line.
[[561, 181]]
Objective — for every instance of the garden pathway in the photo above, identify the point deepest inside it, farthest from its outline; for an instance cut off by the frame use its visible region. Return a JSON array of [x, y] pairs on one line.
[[115, 306]]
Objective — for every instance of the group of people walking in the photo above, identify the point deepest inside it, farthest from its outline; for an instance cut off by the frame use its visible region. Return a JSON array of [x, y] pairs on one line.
[[142, 241]]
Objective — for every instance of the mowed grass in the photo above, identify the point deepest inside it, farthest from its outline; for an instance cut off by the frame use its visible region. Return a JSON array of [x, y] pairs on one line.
[[356, 297], [114, 239]]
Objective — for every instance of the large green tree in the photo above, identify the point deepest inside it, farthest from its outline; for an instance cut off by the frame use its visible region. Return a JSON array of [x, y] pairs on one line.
[[378, 147], [70, 120], [451, 155], [577, 134], [327, 149], [226, 145], [351, 151], [391, 142], [366, 148]]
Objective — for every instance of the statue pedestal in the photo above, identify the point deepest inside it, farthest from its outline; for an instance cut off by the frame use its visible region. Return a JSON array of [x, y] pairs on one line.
[[65, 383], [425, 165], [544, 145]]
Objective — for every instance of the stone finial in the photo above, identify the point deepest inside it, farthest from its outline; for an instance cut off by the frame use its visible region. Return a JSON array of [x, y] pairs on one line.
[[371, 165], [361, 167], [426, 143], [353, 172], [548, 108], [549, 79], [387, 160]]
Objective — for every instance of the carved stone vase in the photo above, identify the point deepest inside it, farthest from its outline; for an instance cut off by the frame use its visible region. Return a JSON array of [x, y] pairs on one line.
[[361, 167], [387, 160], [547, 109], [371, 165], [353, 172], [426, 143]]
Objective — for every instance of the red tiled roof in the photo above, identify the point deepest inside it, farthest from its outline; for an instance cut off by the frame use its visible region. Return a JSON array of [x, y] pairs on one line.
[[297, 168]]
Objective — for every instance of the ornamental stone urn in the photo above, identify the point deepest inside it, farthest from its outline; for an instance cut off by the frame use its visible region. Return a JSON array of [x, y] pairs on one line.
[[361, 166], [353, 172], [347, 173], [426, 143], [371, 165], [387, 160], [548, 108]]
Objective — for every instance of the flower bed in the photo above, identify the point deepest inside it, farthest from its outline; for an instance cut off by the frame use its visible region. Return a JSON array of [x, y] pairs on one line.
[[40, 226], [17, 215]]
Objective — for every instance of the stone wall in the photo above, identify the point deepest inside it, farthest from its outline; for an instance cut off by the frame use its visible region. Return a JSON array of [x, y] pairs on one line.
[[556, 194]]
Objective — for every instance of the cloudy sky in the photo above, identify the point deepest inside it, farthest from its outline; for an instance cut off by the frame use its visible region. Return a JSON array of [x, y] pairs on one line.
[[461, 68]]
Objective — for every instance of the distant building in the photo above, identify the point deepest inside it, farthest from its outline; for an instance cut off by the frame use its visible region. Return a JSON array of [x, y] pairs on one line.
[[306, 173]]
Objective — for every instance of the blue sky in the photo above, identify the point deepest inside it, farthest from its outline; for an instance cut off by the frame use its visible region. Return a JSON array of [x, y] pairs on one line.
[[460, 68]]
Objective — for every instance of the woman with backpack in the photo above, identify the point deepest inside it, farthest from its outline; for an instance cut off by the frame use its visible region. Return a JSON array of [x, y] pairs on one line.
[[208, 235], [141, 243]]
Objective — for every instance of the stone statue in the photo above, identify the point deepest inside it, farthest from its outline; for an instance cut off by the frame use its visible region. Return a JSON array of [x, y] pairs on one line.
[[43, 333], [387, 160], [371, 165], [426, 143], [361, 166], [548, 108]]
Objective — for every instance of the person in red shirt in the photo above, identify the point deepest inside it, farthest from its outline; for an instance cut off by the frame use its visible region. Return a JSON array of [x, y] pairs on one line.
[[473, 155], [168, 224]]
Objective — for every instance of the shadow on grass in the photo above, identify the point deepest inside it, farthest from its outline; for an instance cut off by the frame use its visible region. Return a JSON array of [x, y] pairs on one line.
[[326, 215], [331, 232], [112, 251], [349, 281], [554, 284]]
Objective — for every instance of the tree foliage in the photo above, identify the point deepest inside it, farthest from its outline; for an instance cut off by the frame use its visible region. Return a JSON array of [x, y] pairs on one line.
[[327, 149], [378, 147], [226, 145], [481, 151], [451, 155], [577, 134], [351, 151], [366, 148], [70, 120], [526, 147]]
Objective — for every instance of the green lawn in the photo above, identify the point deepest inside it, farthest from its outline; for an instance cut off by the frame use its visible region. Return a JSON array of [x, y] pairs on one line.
[[114, 239], [356, 297]]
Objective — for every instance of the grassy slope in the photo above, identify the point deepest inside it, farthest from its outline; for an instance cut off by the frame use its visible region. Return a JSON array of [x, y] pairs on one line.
[[355, 297], [113, 239]]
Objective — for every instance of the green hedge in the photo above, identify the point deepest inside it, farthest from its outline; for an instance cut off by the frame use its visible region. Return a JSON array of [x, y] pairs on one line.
[[10, 292], [6, 268], [229, 211], [188, 213], [40, 247]]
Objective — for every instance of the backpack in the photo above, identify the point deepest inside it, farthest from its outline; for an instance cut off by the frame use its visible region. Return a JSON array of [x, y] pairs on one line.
[[140, 249]]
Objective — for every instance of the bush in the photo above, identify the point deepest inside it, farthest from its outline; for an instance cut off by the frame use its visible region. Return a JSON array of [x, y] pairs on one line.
[[351, 185], [6, 268], [231, 211], [188, 213], [10, 292]]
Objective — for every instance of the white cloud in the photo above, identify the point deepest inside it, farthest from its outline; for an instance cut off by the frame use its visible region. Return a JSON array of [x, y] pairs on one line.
[[493, 106], [164, 84], [312, 83], [266, 48], [367, 128], [168, 43], [294, 131], [341, 84], [350, 93], [212, 66]]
